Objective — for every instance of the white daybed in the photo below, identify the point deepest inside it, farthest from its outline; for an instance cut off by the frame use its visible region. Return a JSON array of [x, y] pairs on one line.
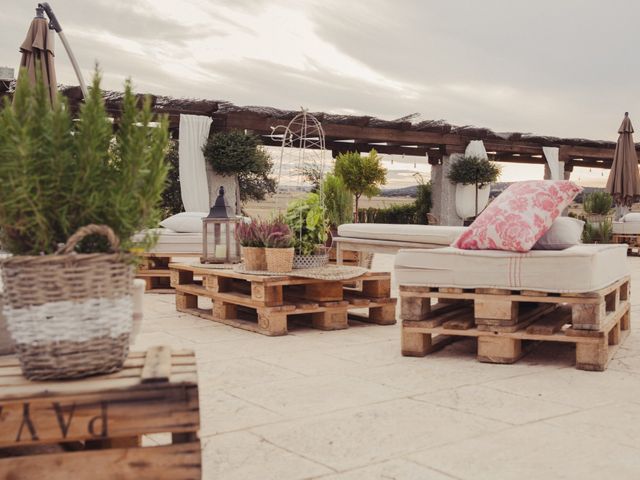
[[170, 242], [581, 268]]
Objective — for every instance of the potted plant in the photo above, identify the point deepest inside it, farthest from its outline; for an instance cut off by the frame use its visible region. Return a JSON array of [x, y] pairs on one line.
[[597, 207], [251, 240], [306, 219], [72, 195], [278, 245], [473, 177], [338, 202]]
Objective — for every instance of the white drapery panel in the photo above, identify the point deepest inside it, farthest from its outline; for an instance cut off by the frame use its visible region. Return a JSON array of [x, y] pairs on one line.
[[476, 149], [194, 130], [551, 154]]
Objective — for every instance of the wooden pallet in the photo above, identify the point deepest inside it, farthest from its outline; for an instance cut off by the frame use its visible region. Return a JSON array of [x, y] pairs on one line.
[[506, 322], [632, 241], [154, 270], [92, 428], [266, 304]]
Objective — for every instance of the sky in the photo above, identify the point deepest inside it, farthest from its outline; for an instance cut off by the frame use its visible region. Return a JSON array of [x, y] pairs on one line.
[[563, 68]]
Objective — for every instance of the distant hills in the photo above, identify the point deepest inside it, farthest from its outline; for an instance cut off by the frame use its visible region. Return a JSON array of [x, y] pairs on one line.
[[496, 189]]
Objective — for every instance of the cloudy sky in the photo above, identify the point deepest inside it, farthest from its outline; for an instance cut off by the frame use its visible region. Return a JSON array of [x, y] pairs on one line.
[[565, 68]]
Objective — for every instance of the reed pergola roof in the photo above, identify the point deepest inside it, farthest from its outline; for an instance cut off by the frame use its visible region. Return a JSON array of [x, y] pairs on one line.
[[432, 138]]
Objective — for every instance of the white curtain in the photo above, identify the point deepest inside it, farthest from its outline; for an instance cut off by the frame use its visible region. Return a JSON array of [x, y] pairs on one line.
[[476, 149], [555, 166], [194, 130]]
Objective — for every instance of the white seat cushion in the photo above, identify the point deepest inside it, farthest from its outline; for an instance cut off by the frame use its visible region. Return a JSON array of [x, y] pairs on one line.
[[428, 234], [581, 268], [174, 242], [626, 228]]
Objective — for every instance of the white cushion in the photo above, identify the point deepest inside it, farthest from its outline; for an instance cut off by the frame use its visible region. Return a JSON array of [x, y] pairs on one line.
[[581, 268], [631, 217], [173, 242], [185, 222], [626, 228], [564, 233], [428, 234]]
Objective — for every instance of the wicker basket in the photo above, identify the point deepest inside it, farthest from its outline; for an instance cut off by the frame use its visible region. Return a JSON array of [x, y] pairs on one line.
[[279, 260], [70, 315], [254, 258], [318, 260]]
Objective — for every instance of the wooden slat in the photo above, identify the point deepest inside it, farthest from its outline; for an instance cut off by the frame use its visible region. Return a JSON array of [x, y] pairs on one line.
[[526, 318], [551, 323], [183, 362], [169, 462], [157, 365]]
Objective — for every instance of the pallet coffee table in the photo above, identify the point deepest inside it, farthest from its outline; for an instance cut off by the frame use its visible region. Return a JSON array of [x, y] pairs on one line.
[[92, 427], [264, 304]]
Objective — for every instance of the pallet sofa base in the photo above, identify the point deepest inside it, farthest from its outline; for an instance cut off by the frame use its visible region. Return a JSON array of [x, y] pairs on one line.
[[508, 323]]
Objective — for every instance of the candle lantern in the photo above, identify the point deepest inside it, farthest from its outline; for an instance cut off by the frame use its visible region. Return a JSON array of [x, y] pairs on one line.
[[219, 242]]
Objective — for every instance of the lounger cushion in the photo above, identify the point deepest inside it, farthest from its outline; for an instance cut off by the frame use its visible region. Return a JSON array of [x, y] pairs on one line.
[[174, 242], [631, 217], [626, 228], [427, 234], [517, 219], [581, 268], [184, 222]]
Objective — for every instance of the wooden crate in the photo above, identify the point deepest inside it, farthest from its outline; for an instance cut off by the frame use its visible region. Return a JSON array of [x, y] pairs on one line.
[[265, 304], [154, 270], [92, 428], [506, 321]]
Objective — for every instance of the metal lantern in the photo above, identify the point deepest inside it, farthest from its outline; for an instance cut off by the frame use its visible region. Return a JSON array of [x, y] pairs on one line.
[[219, 242]]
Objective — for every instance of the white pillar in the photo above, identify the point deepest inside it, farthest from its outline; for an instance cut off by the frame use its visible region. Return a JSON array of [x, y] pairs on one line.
[[443, 192]]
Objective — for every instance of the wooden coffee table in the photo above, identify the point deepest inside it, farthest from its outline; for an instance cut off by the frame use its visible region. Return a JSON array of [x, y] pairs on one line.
[[264, 304]]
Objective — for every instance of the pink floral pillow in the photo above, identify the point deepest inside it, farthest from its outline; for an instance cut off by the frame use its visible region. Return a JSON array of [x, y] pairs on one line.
[[519, 216]]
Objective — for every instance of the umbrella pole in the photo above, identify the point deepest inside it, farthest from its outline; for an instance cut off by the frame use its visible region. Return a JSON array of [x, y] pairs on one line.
[[74, 63], [55, 25]]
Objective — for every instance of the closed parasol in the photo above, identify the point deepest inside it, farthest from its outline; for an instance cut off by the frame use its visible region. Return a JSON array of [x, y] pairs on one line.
[[38, 53], [624, 180]]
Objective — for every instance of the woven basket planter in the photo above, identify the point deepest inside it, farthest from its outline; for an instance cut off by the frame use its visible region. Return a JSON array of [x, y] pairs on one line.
[[69, 314], [279, 260], [318, 260], [254, 258]]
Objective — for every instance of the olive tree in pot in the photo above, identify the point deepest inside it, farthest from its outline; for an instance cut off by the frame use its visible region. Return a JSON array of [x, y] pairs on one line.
[[72, 195], [473, 177]]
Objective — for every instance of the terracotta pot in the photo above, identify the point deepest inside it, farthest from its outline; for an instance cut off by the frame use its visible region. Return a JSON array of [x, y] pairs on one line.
[[254, 258], [279, 260]]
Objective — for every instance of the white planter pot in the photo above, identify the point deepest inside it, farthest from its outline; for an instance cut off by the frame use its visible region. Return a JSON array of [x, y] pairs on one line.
[[466, 199]]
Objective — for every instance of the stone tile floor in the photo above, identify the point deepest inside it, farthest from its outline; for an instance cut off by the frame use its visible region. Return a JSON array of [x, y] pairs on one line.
[[347, 405]]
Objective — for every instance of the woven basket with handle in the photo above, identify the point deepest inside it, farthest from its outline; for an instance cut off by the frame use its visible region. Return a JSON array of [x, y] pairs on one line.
[[70, 314]]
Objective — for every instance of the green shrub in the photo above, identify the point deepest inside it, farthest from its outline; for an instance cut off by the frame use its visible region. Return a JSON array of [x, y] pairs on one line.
[[600, 232], [598, 203], [471, 170], [423, 200], [396, 214], [59, 175], [338, 201], [172, 195]]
